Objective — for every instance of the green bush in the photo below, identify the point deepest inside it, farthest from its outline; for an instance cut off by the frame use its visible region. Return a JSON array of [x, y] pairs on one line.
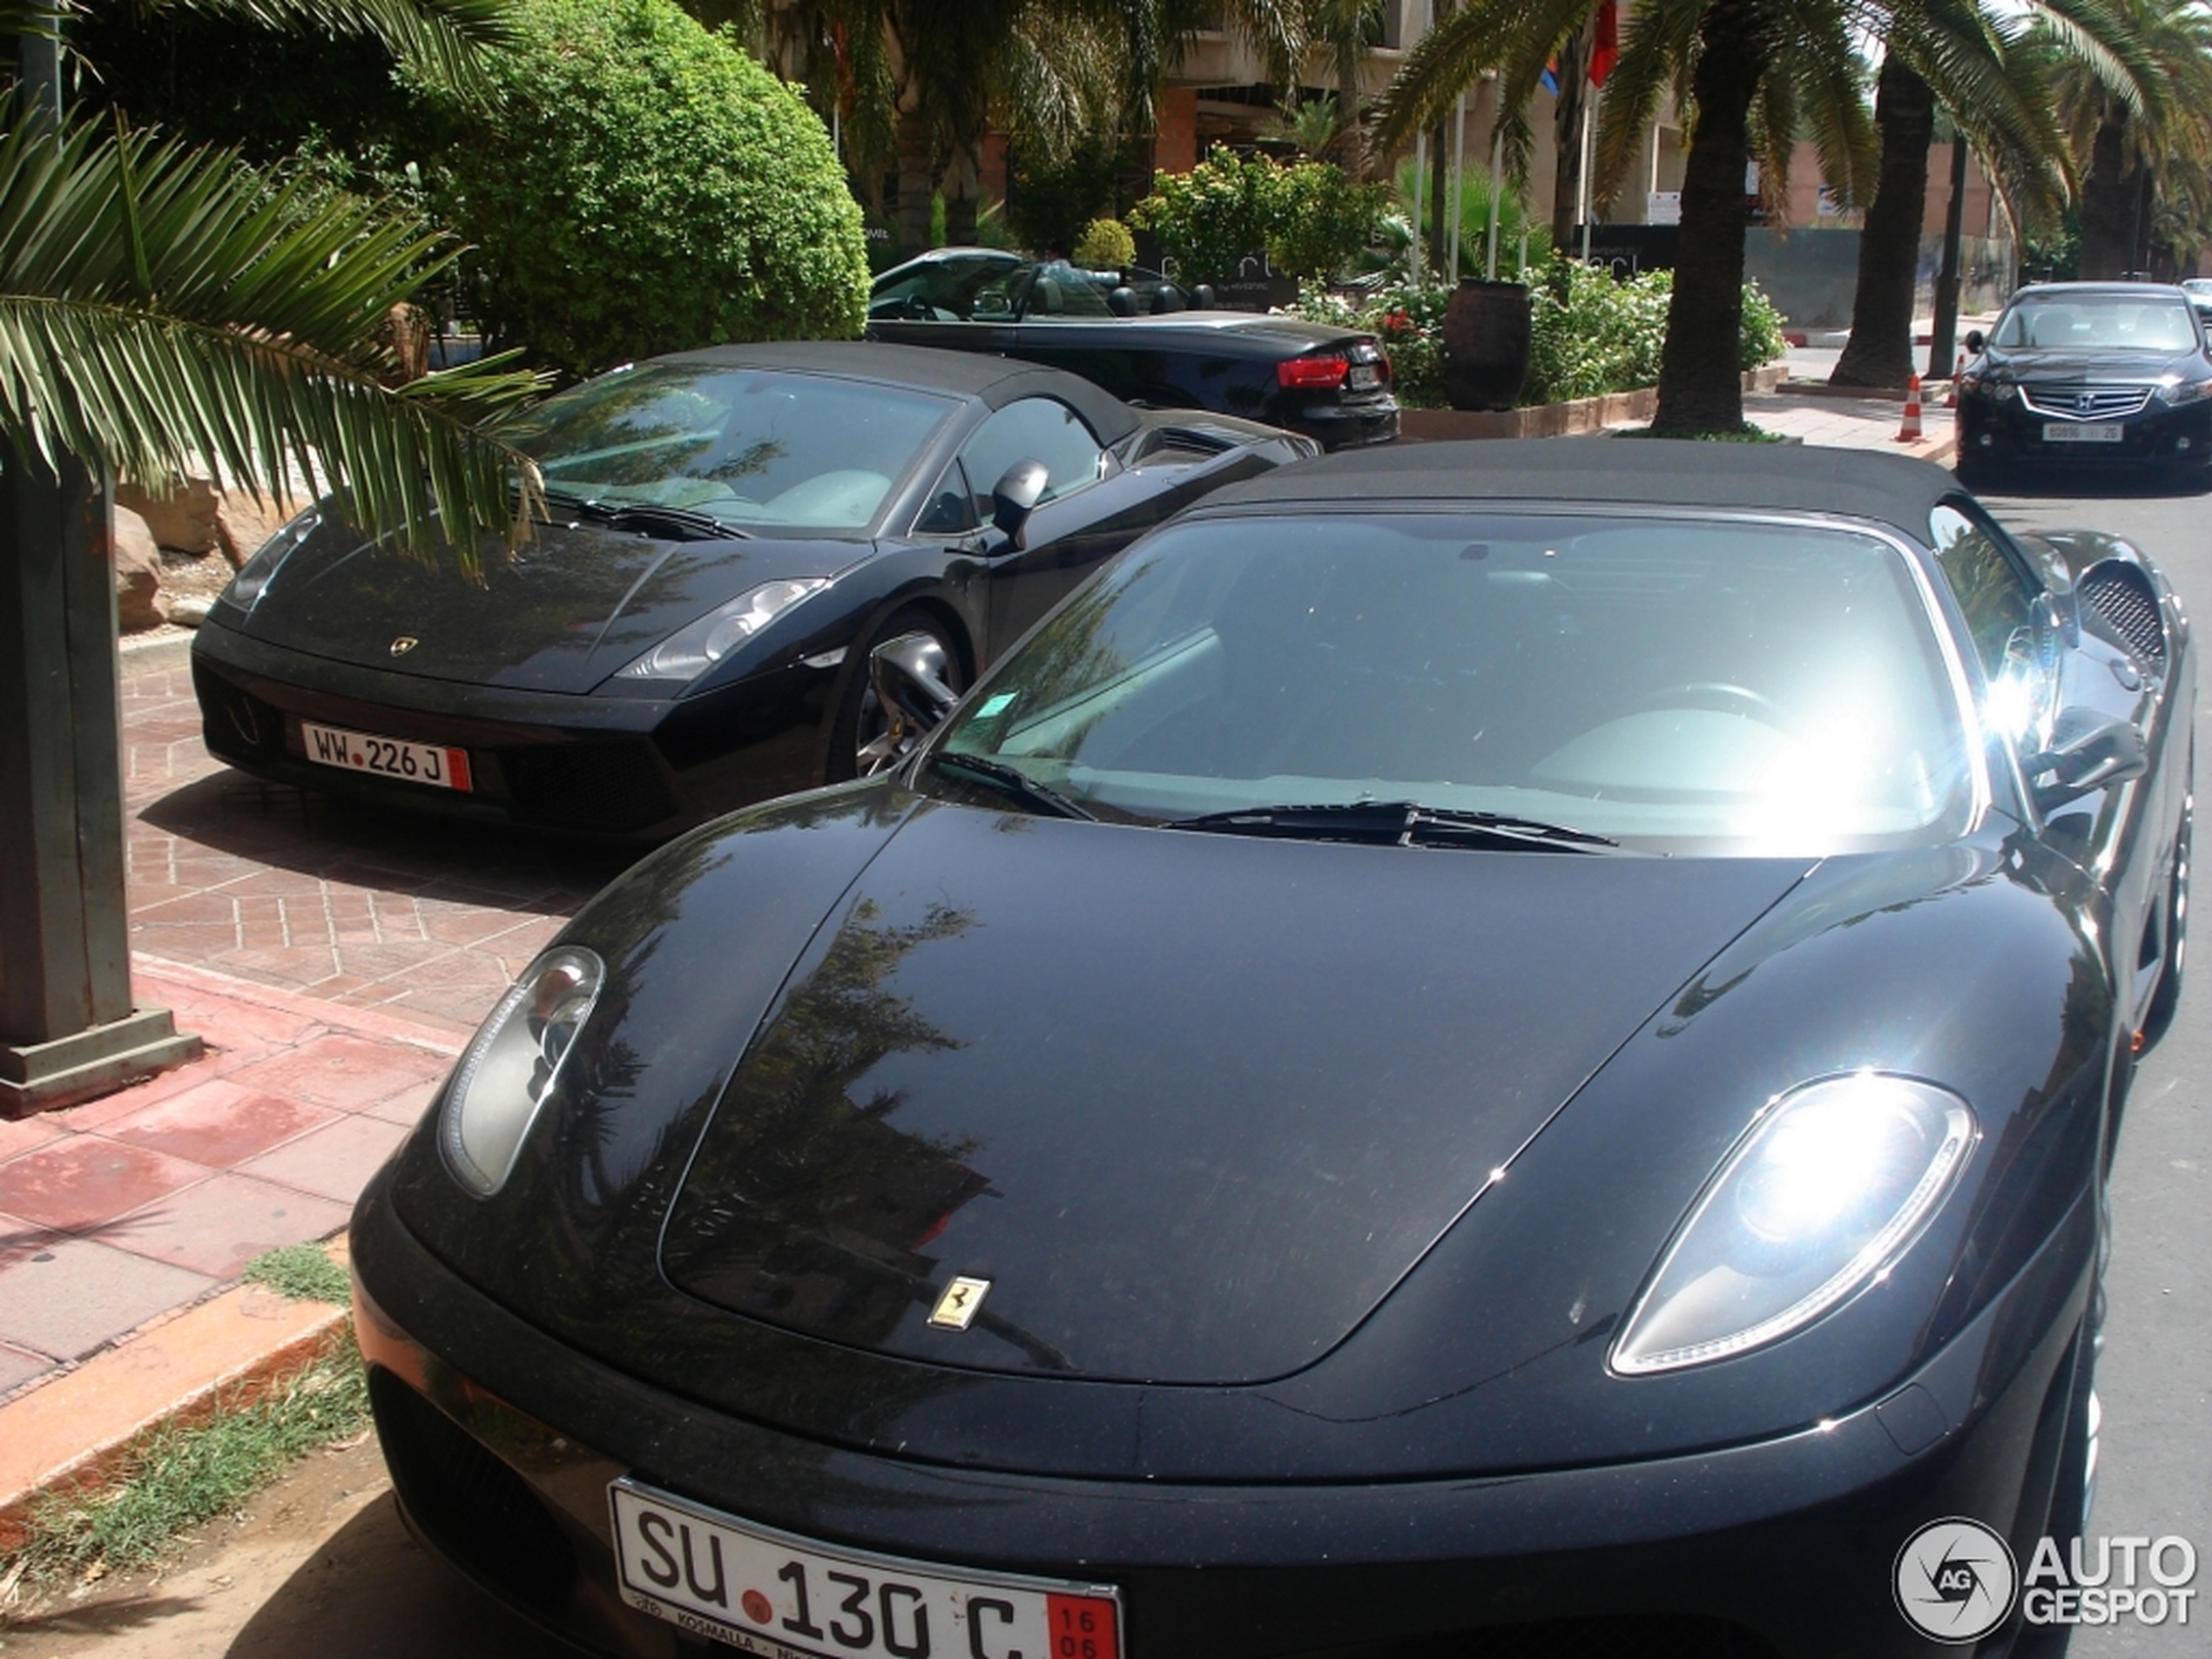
[[647, 187], [1309, 220], [1588, 334], [1591, 334], [1105, 245]]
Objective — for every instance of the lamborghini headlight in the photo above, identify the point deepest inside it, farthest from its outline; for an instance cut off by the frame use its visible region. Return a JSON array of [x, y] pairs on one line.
[[693, 649], [1828, 1188], [510, 1066], [245, 590]]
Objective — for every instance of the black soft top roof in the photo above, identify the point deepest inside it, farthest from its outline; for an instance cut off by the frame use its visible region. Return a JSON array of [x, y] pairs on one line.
[[997, 380], [1887, 489]]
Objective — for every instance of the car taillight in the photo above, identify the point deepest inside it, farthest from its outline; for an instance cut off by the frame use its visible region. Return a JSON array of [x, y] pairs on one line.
[[1309, 373]]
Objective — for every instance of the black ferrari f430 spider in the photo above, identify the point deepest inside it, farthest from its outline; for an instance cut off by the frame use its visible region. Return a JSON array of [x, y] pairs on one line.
[[731, 532], [1462, 1054]]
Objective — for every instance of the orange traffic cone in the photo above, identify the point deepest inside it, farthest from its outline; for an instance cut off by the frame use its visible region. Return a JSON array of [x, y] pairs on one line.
[[1909, 431], [1951, 397]]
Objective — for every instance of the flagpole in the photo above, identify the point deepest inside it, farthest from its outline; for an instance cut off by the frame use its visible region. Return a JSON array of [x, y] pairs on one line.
[[1584, 182]]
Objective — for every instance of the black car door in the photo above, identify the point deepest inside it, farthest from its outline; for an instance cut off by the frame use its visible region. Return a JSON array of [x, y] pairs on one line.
[[2113, 835], [1063, 540]]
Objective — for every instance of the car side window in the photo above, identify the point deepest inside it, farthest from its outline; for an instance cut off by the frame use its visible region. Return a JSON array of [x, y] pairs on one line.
[[1996, 595], [951, 507], [1033, 428]]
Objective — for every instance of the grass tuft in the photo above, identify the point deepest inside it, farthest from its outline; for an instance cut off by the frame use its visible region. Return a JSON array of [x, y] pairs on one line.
[[300, 1273], [1746, 434], [177, 1478]]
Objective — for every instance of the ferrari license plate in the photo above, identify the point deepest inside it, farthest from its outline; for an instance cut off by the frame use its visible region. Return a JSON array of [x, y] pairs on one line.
[[768, 1593], [418, 763], [2068, 432]]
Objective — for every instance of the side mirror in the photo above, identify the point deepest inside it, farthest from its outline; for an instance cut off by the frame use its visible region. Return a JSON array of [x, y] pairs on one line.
[[1122, 300], [910, 677], [2089, 751], [1975, 340], [1016, 496]]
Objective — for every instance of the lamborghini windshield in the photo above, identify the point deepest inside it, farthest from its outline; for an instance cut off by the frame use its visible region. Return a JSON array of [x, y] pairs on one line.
[[1741, 686], [744, 446]]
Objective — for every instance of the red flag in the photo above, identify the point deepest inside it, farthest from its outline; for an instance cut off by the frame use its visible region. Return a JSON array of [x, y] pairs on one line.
[[1605, 46]]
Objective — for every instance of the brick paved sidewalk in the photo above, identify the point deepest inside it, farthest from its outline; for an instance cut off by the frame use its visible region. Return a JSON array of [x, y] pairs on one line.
[[346, 903], [119, 1212], [334, 958], [1853, 422]]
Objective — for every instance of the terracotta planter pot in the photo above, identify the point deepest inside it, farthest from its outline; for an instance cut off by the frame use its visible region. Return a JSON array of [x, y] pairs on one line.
[[1486, 344]]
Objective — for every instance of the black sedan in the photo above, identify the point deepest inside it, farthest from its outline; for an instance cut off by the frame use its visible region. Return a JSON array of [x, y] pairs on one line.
[[732, 530], [1463, 1053], [1332, 384], [2092, 372]]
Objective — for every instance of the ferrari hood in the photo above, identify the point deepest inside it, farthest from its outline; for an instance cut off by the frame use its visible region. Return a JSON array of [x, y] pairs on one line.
[[1184, 1107], [567, 610]]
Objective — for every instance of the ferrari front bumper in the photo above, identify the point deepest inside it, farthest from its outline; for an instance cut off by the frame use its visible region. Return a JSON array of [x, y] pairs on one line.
[[502, 1440]]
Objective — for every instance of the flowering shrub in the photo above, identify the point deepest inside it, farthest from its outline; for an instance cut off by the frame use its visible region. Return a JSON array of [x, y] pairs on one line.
[[1309, 218], [1587, 333], [1105, 245]]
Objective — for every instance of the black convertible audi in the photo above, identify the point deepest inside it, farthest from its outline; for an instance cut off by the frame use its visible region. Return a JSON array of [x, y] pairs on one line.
[[731, 532], [1462, 1054], [1149, 346]]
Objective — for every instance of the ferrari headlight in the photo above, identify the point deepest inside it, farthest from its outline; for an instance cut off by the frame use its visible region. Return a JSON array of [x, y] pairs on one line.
[[1827, 1189], [2181, 391], [508, 1069], [245, 590], [691, 651]]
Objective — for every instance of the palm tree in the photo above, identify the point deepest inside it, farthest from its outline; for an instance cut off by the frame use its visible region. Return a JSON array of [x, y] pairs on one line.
[[2122, 148], [161, 307], [164, 307], [1746, 74], [1988, 69]]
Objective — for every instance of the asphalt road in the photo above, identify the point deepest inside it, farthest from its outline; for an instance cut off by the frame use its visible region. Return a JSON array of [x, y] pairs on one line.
[[2154, 1376], [321, 1563]]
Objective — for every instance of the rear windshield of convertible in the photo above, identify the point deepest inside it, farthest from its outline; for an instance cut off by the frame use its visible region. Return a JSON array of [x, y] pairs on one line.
[[1738, 686]]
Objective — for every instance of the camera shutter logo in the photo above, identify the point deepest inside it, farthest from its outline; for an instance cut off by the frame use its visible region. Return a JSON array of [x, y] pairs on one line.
[[1955, 1579]]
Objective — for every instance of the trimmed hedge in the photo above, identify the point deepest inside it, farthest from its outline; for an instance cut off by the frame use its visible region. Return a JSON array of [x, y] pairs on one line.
[[1588, 334], [648, 187]]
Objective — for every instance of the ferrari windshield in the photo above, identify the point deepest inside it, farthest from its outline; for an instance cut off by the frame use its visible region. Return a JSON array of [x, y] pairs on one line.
[[2154, 321], [1673, 684], [747, 447]]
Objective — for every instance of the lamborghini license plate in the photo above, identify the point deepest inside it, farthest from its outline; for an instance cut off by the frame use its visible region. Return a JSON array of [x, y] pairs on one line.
[[769, 1593], [2068, 432], [417, 763]]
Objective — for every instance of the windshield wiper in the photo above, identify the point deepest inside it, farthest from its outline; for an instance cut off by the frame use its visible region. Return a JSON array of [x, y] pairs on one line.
[[1397, 823], [645, 515], [1009, 780]]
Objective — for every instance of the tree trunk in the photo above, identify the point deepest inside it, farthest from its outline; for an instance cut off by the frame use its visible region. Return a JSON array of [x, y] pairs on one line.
[[2107, 200], [1701, 378], [1943, 335], [1880, 349], [1567, 137]]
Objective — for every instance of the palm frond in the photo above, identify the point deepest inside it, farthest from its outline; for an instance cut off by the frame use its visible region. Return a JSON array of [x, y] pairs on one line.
[[160, 308], [1450, 58], [440, 41]]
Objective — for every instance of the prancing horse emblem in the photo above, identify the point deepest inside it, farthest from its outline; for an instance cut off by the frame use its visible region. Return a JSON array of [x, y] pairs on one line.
[[955, 1309], [404, 643]]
